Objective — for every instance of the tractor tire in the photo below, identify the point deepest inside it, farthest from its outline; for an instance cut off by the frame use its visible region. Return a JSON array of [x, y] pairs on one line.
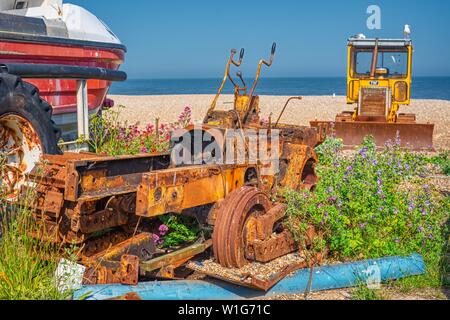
[[27, 130]]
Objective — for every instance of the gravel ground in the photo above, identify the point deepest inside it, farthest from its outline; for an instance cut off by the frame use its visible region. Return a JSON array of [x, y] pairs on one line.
[[257, 271], [145, 109], [387, 294]]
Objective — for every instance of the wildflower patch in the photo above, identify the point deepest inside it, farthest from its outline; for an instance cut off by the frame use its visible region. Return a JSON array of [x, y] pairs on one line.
[[373, 204]]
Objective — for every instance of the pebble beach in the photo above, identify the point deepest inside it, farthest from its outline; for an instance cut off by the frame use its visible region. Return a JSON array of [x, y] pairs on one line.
[[145, 109]]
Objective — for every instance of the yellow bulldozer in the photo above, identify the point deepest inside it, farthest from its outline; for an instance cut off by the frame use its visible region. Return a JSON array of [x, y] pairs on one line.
[[379, 78]]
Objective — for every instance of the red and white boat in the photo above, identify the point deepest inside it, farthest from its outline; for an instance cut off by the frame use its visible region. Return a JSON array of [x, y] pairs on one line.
[[52, 33]]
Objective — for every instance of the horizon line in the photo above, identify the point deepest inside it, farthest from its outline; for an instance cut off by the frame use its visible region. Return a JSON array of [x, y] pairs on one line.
[[270, 77]]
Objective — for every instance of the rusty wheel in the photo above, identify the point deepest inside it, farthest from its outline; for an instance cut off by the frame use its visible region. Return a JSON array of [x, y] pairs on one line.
[[235, 225], [26, 131], [21, 149]]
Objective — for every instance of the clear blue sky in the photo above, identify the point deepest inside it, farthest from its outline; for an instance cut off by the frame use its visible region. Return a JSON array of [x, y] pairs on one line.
[[192, 39]]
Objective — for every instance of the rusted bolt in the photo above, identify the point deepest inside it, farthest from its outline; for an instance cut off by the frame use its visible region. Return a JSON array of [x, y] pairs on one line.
[[158, 194]]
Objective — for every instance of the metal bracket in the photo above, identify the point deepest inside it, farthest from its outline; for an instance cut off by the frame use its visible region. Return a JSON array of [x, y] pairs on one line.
[[82, 120]]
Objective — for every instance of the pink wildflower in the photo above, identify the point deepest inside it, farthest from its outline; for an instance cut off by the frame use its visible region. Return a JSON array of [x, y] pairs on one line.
[[163, 229]]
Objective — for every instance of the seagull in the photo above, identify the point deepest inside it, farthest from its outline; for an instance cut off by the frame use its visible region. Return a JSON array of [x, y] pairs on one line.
[[407, 31]]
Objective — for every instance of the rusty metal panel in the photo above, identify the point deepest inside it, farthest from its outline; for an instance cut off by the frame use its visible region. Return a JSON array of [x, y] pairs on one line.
[[297, 158], [53, 202], [132, 296], [373, 102], [127, 273], [299, 135], [86, 176], [274, 247], [141, 245], [175, 258], [109, 176], [175, 190], [414, 136], [129, 270], [102, 220]]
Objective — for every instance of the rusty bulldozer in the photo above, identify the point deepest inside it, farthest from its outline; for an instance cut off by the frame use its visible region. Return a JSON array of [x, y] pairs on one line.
[[107, 206], [379, 78]]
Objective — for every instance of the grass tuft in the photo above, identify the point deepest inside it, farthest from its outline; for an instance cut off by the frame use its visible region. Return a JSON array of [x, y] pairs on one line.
[[27, 265]]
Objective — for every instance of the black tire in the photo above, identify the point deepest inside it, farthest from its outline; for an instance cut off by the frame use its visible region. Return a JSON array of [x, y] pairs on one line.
[[23, 99]]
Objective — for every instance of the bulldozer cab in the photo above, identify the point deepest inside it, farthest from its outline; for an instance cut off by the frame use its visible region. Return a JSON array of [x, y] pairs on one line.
[[378, 77]]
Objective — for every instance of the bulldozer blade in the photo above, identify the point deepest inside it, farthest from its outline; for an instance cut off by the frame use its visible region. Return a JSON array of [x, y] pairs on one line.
[[413, 136]]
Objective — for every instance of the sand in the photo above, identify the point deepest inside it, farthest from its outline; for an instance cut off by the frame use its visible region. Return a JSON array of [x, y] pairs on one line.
[[145, 109]]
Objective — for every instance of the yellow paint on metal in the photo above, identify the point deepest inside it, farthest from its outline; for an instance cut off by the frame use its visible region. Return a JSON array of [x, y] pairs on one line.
[[175, 190]]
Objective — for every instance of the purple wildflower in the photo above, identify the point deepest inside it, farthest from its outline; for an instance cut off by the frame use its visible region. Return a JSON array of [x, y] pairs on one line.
[[144, 150], [398, 140], [155, 238], [163, 230], [363, 152], [362, 226], [388, 144]]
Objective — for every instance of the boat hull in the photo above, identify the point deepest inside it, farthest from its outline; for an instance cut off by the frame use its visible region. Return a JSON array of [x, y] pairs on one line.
[[61, 93]]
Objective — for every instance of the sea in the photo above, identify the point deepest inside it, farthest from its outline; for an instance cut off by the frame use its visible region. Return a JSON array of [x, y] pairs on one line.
[[423, 87]]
